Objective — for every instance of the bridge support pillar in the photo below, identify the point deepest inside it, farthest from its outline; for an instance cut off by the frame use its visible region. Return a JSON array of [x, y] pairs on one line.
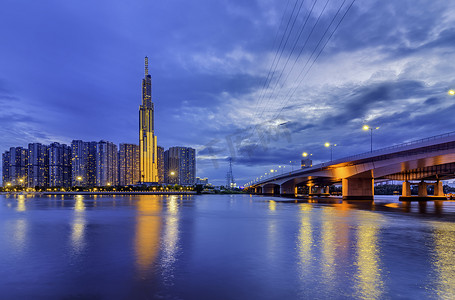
[[438, 189], [423, 189], [269, 190], [327, 190], [310, 189], [358, 188], [288, 190], [406, 189]]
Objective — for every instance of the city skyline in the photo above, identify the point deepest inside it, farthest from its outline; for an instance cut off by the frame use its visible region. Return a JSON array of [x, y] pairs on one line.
[[214, 86], [93, 164]]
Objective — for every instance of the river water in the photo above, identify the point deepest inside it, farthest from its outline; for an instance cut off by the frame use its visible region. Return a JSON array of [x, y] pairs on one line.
[[224, 247]]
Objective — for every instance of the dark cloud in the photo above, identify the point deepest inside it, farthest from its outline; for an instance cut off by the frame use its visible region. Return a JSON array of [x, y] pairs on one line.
[[390, 26], [362, 100]]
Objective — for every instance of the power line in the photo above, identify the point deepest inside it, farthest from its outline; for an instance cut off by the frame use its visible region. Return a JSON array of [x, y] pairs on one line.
[[302, 48], [276, 61], [287, 98], [289, 57], [274, 42]]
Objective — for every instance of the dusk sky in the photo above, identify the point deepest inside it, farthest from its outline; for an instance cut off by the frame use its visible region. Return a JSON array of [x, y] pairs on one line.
[[259, 81]]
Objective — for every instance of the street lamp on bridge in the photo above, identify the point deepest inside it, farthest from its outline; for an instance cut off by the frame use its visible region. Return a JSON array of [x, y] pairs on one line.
[[366, 127], [331, 149]]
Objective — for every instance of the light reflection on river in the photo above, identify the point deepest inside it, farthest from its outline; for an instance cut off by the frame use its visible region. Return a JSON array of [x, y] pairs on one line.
[[229, 247], [78, 226], [328, 247], [369, 283], [147, 235], [444, 259], [170, 240]]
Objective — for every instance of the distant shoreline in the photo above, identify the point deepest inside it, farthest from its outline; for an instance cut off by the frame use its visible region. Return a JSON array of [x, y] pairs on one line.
[[102, 193]]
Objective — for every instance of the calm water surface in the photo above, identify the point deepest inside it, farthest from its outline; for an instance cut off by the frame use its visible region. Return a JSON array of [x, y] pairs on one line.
[[224, 247]]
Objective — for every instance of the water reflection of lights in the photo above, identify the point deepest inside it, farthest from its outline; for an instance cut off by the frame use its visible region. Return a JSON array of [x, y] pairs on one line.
[[78, 226], [272, 205], [305, 239], [369, 284], [328, 244], [444, 259], [172, 205], [170, 239], [79, 204], [20, 234], [272, 233], [21, 203], [148, 230]]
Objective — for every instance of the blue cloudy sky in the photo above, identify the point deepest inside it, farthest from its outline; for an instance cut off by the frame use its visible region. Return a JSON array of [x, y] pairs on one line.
[[260, 81]]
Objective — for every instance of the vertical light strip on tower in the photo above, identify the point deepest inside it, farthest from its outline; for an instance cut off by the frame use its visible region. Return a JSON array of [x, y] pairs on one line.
[[147, 138]]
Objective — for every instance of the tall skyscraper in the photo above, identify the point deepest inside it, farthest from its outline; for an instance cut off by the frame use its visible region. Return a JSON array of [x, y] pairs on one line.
[[106, 164], [6, 167], [59, 165], [147, 138], [83, 163], [160, 162], [180, 165], [128, 164], [38, 165], [18, 166]]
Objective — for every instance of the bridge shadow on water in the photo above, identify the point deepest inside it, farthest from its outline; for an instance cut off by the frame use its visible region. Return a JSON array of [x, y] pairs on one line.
[[442, 210]]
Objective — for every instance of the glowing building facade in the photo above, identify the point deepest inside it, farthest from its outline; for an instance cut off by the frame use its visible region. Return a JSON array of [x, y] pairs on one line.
[[147, 138]]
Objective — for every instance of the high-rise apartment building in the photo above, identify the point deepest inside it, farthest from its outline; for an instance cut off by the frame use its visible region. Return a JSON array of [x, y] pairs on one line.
[[6, 168], [180, 165], [160, 163], [83, 163], [306, 163], [59, 165], [106, 164], [38, 165], [147, 138], [18, 166], [129, 172], [91, 163]]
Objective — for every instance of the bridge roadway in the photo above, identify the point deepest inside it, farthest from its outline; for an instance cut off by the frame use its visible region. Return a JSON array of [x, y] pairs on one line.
[[427, 161]]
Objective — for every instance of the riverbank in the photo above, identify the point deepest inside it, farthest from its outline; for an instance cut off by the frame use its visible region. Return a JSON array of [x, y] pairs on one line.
[[103, 193]]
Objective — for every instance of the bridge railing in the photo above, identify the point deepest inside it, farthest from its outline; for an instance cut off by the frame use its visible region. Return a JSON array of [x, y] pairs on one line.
[[402, 145]]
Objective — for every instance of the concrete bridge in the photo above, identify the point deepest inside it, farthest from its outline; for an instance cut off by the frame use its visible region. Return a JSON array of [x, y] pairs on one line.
[[423, 162]]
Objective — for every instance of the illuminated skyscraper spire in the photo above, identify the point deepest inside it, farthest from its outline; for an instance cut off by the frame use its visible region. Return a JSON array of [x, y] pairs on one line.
[[147, 138], [146, 66]]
